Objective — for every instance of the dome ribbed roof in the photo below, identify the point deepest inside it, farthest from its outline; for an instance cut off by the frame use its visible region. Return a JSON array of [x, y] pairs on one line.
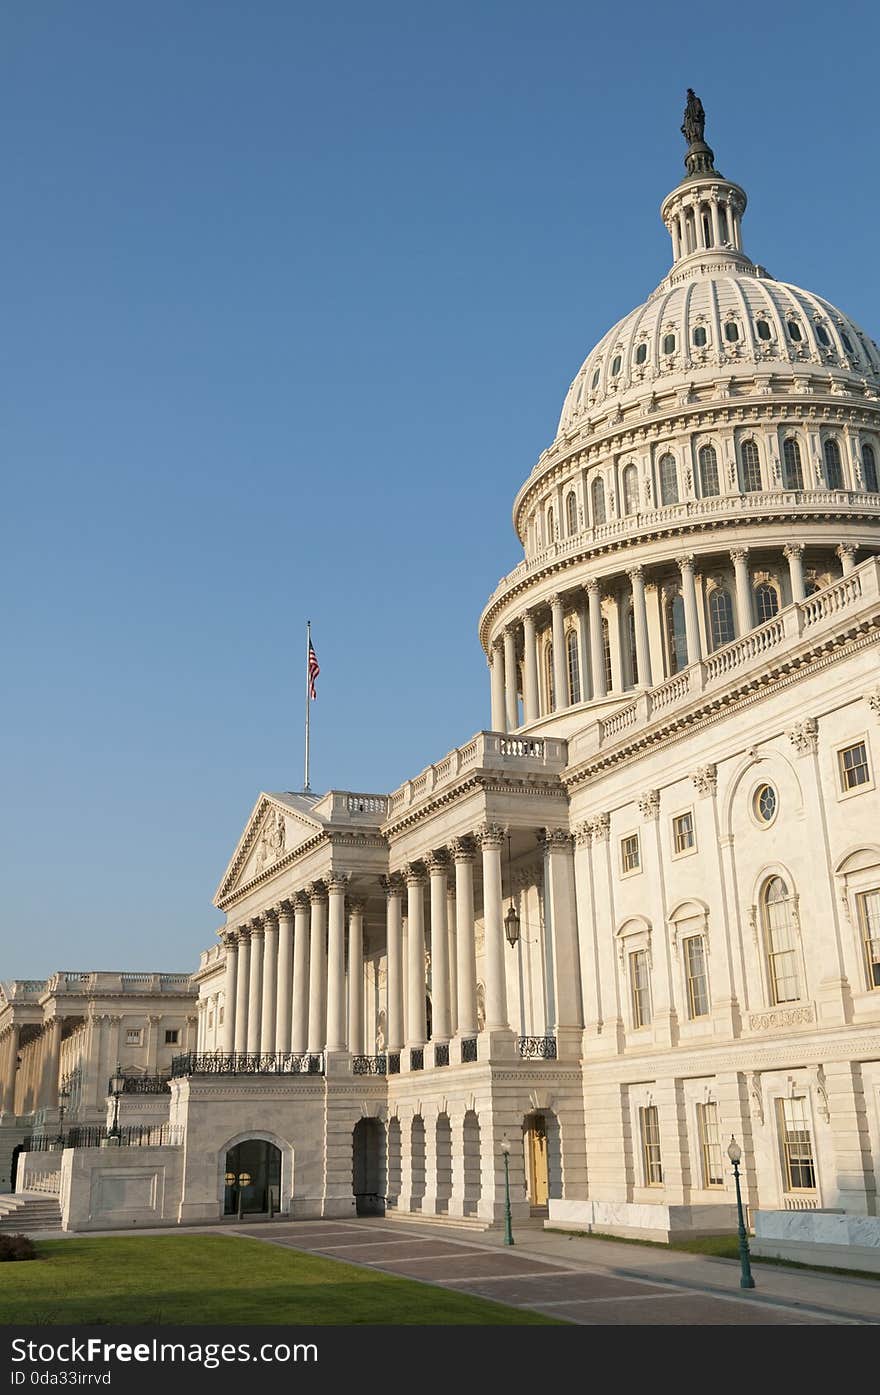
[[680, 334]]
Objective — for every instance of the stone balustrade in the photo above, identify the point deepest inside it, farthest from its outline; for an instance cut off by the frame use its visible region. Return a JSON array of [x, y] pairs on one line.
[[490, 750]]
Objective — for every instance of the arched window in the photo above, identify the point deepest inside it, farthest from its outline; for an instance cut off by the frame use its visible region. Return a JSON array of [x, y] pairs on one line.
[[706, 221], [597, 501], [574, 668], [641, 353], [551, 525], [708, 471], [676, 634], [700, 337], [615, 365], [548, 678], [630, 489], [669, 343], [631, 644], [869, 466], [833, 465], [595, 382], [792, 471], [606, 650], [764, 330], [720, 618], [668, 480], [571, 514], [766, 601], [751, 467], [779, 931]]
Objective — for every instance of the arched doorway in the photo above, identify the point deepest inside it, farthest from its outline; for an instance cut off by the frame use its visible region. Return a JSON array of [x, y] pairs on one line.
[[368, 1167], [252, 1178], [16, 1154], [536, 1156]]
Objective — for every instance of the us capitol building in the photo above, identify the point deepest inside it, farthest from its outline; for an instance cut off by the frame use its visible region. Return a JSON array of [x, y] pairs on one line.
[[641, 912]]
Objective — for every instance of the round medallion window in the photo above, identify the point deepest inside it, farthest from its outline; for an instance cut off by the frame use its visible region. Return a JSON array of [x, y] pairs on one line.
[[765, 803]]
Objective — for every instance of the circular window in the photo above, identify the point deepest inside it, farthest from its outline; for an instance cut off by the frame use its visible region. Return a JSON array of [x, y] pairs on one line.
[[764, 330], [765, 803], [700, 337]]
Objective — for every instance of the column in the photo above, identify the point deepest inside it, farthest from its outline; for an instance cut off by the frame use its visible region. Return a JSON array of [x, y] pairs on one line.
[[51, 1064], [739, 556], [689, 596], [417, 1029], [496, 665], [7, 1104], [284, 991], [491, 842], [560, 668], [597, 649], [270, 982], [255, 989], [241, 991], [466, 955], [299, 1032], [440, 1031], [716, 225], [510, 685], [153, 1022], [230, 991], [793, 554], [847, 554], [558, 846], [393, 888], [530, 668], [356, 978], [615, 641], [317, 966], [640, 618], [336, 885]]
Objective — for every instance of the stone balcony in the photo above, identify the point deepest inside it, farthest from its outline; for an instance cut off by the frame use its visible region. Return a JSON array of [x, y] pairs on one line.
[[689, 515], [488, 750], [847, 606]]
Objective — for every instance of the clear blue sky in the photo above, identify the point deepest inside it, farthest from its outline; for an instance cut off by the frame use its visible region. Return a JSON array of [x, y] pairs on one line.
[[291, 298]]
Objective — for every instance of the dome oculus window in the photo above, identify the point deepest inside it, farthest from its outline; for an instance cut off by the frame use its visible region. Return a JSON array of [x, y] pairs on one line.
[[641, 353], [731, 331], [794, 331], [847, 343], [700, 337], [595, 382], [615, 366], [669, 343], [765, 804], [823, 336], [764, 330]]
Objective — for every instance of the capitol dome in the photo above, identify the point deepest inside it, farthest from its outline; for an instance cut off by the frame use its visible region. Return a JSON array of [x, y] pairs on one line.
[[717, 460]]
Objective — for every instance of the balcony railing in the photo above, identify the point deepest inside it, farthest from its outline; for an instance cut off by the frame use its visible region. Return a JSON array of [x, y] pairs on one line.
[[96, 1136], [441, 1053], [142, 1085], [247, 1063], [536, 1048], [468, 1050], [417, 1058], [394, 1063], [490, 750], [369, 1065]]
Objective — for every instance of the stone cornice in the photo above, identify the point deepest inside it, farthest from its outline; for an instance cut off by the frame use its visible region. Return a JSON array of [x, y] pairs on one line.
[[527, 785]]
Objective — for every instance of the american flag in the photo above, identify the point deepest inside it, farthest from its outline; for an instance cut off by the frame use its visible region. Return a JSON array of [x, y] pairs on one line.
[[314, 670]]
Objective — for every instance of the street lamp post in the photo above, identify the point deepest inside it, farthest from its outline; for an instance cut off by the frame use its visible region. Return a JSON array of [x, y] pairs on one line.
[[508, 1229], [63, 1097], [734, 1152], [117, 1086]]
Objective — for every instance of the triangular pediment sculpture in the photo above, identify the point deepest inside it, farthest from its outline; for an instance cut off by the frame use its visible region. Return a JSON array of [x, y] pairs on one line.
[[278, 825]]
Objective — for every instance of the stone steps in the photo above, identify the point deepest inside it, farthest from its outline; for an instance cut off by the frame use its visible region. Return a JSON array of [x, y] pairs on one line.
[[21, 1214]]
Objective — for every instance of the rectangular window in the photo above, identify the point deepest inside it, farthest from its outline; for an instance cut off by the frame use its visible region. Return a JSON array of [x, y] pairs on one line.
[[172, 1037], [640, 988], [629, 853], [133, 1036], [683, 832], [797, 1146], [650, 1126], [697, 976], [869, 919], [711, 1162], [854, 766]]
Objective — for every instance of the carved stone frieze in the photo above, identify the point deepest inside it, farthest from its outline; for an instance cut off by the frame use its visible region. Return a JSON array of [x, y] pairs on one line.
[[649, 805], [804, 736], [705, 779]]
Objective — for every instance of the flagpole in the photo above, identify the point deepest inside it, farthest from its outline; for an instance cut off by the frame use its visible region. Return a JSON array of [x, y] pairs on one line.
[[307, 786]]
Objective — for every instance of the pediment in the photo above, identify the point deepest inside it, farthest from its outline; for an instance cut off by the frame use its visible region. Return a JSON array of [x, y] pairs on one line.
[[278, 825]]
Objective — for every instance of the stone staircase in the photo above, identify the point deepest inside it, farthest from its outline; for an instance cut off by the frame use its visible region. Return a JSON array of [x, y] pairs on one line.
[[29, 1211]]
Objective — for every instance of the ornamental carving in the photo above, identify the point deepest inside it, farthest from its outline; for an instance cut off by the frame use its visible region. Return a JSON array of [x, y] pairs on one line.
[[600, 827], [705, 779], [491, 835], [820, 1085], [874, 701], [584, 833], [556, 840], [756, 1096], [804, 736], [778, 1018], [272, 840], [393, 885], [649, 805]]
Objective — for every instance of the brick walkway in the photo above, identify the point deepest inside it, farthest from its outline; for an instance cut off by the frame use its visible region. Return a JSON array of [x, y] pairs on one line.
[[580, 1291]]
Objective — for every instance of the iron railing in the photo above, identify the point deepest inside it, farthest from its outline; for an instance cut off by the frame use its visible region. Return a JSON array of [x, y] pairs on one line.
[[468, 1049], [142, 1085], [417, 1058], [95, 1136], [537, 1048], [369, 1065], [247, 1063], [441, 1053], [394, 1063]]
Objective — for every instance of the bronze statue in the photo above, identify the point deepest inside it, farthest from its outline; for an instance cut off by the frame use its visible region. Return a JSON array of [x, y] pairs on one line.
[[694, 118]]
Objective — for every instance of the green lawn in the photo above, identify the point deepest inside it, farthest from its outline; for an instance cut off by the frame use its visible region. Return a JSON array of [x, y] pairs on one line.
[[219, 1279]]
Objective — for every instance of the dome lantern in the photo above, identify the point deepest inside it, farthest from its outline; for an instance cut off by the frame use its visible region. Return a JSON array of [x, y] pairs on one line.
[[703, 215]]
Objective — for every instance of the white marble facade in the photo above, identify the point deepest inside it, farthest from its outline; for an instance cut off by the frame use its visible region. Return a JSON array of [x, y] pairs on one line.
[[675, 801]]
